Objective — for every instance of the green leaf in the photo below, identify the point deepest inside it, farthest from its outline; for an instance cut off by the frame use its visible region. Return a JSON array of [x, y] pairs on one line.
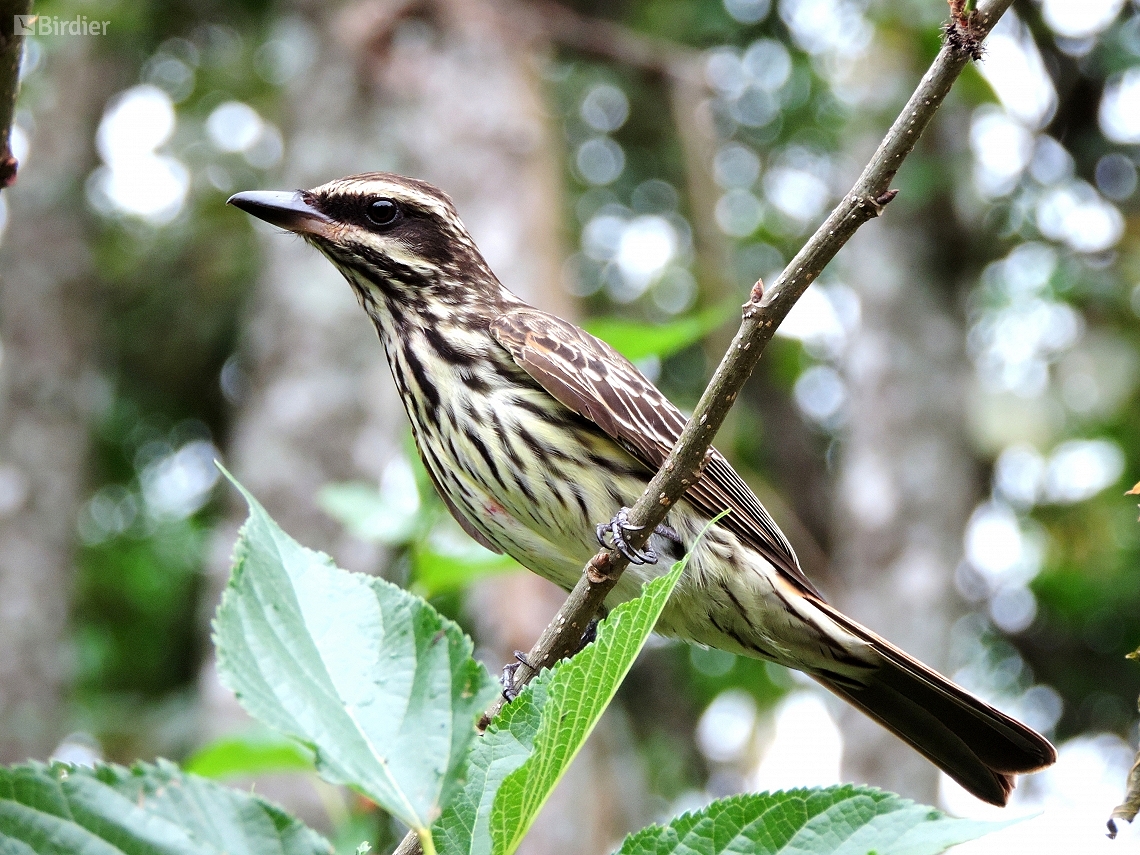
[[579, 692], [515, 766], [636, 340], [254, 752], [373, 679], [843, 820], [144, 810], [512, 770], [465, 826]]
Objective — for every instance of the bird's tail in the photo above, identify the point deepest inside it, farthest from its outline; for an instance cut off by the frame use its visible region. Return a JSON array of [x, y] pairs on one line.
[[975, 744]]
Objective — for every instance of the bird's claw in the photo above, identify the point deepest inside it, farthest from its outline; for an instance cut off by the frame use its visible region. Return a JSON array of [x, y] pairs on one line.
[[591, 633], [510, 688], [616, 530]]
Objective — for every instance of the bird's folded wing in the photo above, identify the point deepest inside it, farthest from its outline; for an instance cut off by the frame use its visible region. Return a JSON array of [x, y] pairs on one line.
[[594, 380]]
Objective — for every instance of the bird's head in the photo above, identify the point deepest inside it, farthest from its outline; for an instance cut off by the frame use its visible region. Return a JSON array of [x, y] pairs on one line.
[[397, 240]]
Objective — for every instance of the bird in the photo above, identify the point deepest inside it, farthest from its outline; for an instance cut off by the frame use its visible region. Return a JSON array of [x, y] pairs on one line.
[[535, 434]]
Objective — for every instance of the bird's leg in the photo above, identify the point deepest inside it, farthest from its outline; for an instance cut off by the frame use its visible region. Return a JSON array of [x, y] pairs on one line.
[[618, 528], [510, 689], [590, 635]]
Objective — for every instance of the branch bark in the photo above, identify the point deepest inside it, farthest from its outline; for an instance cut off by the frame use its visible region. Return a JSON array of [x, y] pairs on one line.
[[11, 50], [762, 313]]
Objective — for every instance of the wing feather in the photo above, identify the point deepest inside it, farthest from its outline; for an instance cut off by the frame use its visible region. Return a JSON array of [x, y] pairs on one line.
[[594, 380]]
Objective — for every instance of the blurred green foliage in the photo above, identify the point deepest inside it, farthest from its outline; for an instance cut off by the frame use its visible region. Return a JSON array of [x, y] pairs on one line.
[[639, 341], [252, 752]]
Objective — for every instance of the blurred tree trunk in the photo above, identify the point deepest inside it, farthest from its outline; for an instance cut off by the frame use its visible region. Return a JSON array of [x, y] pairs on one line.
[[47, 389], [458, 101], [451, 92], [314, 401], [905, 476]]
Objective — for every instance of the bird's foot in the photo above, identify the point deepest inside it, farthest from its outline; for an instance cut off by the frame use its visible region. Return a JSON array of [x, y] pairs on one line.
[[590, 635], [511, 688], [616, 530]]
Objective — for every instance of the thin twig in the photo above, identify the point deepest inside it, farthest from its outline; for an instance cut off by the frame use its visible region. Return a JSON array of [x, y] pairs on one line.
[[762, 314], [11, 50]]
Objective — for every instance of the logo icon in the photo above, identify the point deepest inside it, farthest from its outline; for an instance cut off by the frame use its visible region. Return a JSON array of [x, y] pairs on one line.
[[53, 25]]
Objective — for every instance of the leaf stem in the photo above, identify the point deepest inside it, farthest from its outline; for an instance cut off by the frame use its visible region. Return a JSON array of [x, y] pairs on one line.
[[423, 835]]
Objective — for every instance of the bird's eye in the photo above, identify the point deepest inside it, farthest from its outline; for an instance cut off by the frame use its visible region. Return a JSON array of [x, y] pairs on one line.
[[383, 212]]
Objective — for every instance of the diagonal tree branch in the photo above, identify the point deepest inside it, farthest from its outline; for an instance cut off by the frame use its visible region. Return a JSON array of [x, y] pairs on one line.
[[761, 315]]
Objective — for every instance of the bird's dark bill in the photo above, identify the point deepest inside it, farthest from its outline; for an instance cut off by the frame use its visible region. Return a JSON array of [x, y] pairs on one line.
[[284, 209]]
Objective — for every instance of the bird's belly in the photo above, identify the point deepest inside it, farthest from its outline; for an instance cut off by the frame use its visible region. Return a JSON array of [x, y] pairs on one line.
[[534, 486], [535, 550]]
